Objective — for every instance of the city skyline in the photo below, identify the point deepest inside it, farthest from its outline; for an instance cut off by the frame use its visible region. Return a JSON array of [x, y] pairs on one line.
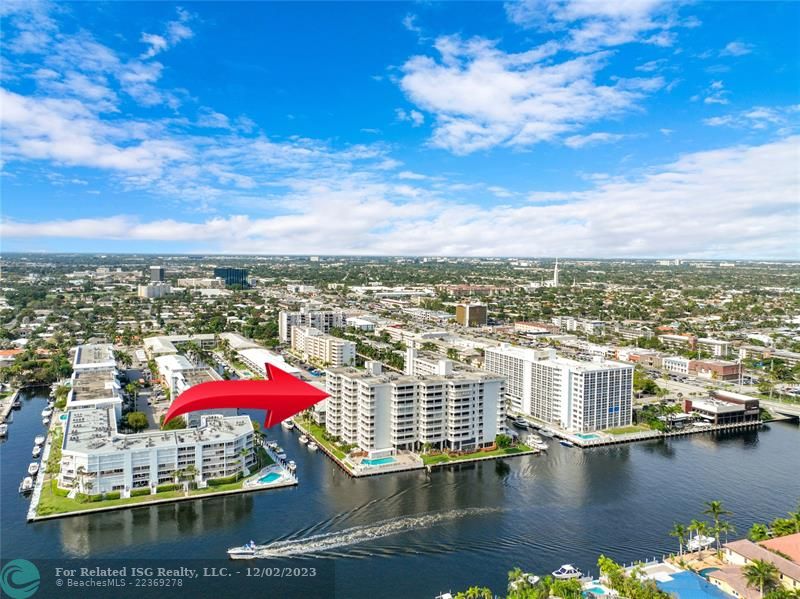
[[640, 130]]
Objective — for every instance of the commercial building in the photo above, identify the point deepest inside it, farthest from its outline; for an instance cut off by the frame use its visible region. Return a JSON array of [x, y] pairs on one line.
[[472, 314], [676, 364], [96, 458], [535, 328], [323, 320], [154, 290], [574, 395], [316, 346], [361, 324], [232, 276], [724, 408], [383, 413], [720, 370], [157, 274]]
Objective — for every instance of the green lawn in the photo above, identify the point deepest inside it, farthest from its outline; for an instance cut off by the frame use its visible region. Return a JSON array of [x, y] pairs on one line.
[[50, 503], [626, 430], [316, 431], [429, 460]]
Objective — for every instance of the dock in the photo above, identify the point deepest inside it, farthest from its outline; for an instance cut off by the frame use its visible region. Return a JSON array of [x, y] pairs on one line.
[[6, 405]]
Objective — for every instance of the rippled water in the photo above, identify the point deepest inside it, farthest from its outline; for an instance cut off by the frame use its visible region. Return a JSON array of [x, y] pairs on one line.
[[417, 533]]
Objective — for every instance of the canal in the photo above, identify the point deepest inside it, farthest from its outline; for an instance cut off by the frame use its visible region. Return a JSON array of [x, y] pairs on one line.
[[417, 534]]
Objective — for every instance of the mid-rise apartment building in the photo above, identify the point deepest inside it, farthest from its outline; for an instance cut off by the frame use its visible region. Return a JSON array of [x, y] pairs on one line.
[[574, 395], [96, 458], [323, 320], [383, 413], [316, 346], [154, 290]]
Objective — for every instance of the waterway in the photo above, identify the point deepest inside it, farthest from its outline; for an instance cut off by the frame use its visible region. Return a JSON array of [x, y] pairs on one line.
[[417, 534]]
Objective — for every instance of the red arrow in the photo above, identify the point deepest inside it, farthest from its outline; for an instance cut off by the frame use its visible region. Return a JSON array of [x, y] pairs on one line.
[[282, 395]]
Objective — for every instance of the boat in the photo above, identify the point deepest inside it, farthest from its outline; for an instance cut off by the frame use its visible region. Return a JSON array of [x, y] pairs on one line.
[[532, 439], [699, 542], [303, 439], [27, 485], [17, 405], [33, 468], [567, 571], [281, 455], [292, 466], [37, 451], [546, 433], [520, 423], [47, 412], [288, 424], [313, 446], [702, 424], [523, 580], [272, 445], [541, 446], [247, 551], [566, 443], [3, 430], [39, 439], [45, 421]]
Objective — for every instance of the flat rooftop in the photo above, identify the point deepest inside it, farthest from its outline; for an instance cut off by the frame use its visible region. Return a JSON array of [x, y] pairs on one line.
[[95, 430], [94, 353], [88, 386]]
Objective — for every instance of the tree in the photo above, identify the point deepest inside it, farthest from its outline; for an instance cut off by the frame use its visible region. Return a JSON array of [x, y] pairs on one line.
[[716, 511], [503, 441], [452, 353], [136, 420], [758, 532], [567, 589], [760, 574], [679, 532], [476, 593], [174, 424]]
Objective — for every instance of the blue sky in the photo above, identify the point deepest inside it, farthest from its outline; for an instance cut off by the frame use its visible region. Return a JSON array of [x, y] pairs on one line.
[[599, 128]]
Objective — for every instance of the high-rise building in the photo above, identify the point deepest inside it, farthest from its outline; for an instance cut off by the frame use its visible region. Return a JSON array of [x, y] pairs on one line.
[[156, 274], [232, 276], [316, 346], [154, 290], [574, 395], [383, 413], [323, 320], [471, 314]]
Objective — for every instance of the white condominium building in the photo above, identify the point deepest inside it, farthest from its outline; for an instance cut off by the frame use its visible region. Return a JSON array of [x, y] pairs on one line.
[[316, 346], [382, 413], [324, 320], [97, 459], [577, 396], [154, 290]]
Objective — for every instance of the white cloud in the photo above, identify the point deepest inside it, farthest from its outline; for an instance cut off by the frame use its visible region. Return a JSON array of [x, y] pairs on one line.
[[652, 65], [483, 97], [579, 141], [411, 175], [415, 117], [736, 49], [410, 23], [715, 93], [782, 118], [698, 206], [174, 32], [593, 24]]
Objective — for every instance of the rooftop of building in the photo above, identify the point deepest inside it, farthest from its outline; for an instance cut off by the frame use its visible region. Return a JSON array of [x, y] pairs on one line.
[[788, 545], [88, 386], [754, 551], [95, 430], [261, 356], [237, 341], [195, 377], [461, 375], [174, 362], [94, 353]]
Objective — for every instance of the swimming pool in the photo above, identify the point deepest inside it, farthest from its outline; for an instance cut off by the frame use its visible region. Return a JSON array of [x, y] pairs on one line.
[[688, 585], [587, 436], [270, 478], [596, 591], [378, 461], [706, 571]]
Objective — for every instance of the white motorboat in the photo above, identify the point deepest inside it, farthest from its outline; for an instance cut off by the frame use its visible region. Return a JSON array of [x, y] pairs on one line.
[[541, 446], [546, 433], [3, 430], [33, 468], [303, 439], [244, 552], [45, 421], [520, 423], [699, 542], [37, 451], [313, 446], [272, 445], [27, 485], [47, 412], [281, 454], [702, 424], [292, 466], [288, 424], [567, 571], [39, 439], [532, 439]]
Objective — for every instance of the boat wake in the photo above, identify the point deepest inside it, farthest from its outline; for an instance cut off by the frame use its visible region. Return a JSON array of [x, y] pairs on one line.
[[363, 534]]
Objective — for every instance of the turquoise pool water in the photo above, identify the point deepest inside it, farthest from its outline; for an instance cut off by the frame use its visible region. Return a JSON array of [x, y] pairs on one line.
[[587, 436], [62, 417], [378, 461], [688, 585], [596, 591], [706, 571], [269, 478]]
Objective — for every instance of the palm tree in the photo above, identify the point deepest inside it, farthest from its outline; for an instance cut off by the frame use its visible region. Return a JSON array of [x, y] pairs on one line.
[[716, 511], [758, 532], [679, 532], [761, 574], [726, 528]]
